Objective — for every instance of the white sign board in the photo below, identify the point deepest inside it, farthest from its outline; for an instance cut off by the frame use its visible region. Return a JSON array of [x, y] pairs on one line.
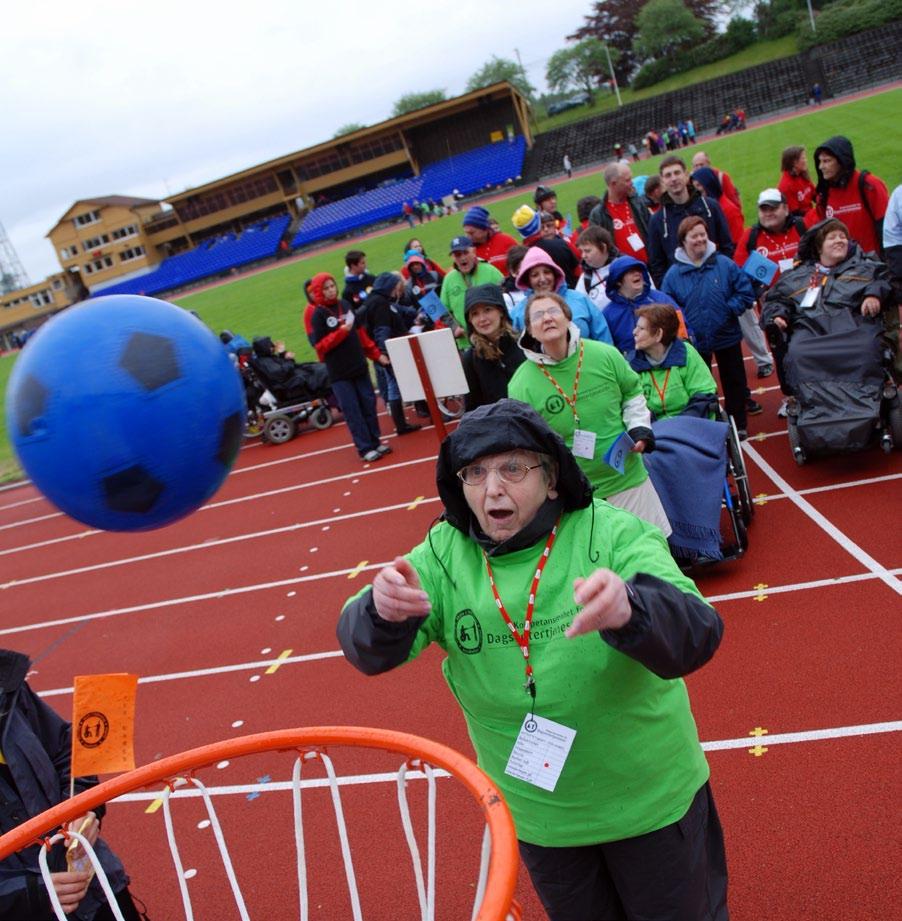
[[442, 359]]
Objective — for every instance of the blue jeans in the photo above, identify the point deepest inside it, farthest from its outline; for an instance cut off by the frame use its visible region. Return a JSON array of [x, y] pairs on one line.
[[358, 405]]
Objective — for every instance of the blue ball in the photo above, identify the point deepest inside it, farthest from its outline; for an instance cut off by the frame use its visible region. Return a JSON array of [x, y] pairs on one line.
[[126, 412]]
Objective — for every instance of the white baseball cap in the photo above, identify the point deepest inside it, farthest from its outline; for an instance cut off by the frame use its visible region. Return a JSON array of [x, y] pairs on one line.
[[771, 197]]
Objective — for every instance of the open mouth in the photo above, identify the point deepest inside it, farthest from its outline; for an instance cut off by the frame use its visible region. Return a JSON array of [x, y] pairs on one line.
[[500, 514]]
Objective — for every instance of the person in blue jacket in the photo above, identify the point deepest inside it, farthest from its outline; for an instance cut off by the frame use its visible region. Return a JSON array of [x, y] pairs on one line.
[[629, 287], [35, 760], [712, 292], [540, 274]]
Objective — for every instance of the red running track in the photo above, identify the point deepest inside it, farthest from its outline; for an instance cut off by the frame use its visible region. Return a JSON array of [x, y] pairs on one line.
[[799, 709]]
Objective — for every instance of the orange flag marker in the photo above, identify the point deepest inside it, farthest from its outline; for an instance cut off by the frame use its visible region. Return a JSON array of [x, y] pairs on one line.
[[103, 724]]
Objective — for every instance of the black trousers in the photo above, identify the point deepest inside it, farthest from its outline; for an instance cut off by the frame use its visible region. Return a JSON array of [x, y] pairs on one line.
[[678, 873], [732, 380]]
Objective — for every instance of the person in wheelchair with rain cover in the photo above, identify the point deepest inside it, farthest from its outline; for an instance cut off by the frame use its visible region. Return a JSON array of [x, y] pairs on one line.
[[835, 308], [697, 467]]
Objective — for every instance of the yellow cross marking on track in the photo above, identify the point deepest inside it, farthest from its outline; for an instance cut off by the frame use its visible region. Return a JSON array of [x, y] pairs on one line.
[[154, 806], [283, 655], [758, 750], [761, 498], [758, 731], [761, 389], [761, 436], [761, 593], [357, 569], [415, 503]]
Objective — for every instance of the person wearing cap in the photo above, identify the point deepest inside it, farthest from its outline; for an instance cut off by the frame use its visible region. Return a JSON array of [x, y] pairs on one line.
[[858, 198], [713, 292], [383, 319], [701, 159], [546, 200], [776, 237], [540, 274], [622, 213], [494, 354], [588, 649], [491, 245], [530, 225], [415, 244], [469, 270], [420, 280]]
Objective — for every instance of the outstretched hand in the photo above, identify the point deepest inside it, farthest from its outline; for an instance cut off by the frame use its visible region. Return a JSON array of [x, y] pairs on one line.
[[397, 592], [605, 603]]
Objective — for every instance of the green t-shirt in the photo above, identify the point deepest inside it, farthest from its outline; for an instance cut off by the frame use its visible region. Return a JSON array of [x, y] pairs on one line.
[[454, 291], [683, 382], [636, 761], [606, 382]]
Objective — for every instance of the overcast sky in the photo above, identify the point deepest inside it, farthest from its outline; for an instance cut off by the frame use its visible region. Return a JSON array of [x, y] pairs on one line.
[[147, 100]]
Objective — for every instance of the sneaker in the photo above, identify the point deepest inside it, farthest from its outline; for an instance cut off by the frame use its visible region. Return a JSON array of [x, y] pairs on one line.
[[371, 456], [743, 434], [765, 370], [383, 449], [753, 407], [783, 411]]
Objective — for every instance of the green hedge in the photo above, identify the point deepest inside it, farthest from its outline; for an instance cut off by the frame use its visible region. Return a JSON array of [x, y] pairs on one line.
[[845, 17], [740, 33]]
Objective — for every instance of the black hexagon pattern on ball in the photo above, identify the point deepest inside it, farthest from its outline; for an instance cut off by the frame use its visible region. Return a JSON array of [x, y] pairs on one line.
[[31, 402], [131, 490], [151, 360], [229, 439]]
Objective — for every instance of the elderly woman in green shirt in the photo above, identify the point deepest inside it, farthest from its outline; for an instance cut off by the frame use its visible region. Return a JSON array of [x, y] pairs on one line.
[[675, 379]]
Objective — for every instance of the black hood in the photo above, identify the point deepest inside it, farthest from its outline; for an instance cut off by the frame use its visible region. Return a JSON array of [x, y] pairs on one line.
[[493, 429], [841, 148], [808, 251], [13, 669], [263, 347]]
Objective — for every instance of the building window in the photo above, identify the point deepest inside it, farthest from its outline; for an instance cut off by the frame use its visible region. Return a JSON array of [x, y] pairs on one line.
[[57, 284], [83, 220], [69, 252], [95, 242], [40, 298], [122, 232], [134, 252]]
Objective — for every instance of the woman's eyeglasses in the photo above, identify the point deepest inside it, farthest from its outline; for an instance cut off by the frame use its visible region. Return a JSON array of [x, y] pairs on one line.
[[509, 471], [552, 312]]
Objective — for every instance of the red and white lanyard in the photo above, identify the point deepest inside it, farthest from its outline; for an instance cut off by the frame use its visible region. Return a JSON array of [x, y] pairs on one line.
[[662, 391], [522, 638], [571, 400]]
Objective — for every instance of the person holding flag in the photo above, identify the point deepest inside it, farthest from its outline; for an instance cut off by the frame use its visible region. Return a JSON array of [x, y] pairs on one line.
[[35, 774]]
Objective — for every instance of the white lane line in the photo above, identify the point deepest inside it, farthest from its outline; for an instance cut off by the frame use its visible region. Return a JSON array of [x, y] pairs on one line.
[[217, 670], [25, 521], [346, 780], [343, 573], [824, 523], [10, 505], [830, 488], [205, 545]]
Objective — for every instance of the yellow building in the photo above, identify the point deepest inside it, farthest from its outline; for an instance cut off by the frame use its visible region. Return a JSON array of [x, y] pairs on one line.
[[103, 239], [25, 309]]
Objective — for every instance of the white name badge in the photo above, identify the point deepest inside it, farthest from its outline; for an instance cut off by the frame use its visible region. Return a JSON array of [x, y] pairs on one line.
[[785, 265], [810, 297], [636, 242], [583, 444], [540, 752]]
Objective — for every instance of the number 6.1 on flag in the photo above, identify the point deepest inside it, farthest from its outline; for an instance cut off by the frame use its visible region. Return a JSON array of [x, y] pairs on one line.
[[103, 724]]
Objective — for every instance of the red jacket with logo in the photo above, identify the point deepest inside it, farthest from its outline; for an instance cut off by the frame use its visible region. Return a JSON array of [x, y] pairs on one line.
[[494, 250], [845, 203]]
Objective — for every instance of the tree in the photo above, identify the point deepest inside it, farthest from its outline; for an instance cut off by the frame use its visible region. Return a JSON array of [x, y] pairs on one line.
[[413, 101], [615, 22], [667, 27], [581, 66], [349, 128], [497, 69]]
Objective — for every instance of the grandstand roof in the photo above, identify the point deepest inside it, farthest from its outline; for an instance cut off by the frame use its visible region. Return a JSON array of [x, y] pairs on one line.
[[105, 201], [418, 116]]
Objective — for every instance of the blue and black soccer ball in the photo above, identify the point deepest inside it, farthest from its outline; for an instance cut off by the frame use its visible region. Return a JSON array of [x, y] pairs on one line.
[[126, 412]]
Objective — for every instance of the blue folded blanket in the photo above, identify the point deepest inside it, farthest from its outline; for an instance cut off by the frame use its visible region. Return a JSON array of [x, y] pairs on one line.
[[687, 469]]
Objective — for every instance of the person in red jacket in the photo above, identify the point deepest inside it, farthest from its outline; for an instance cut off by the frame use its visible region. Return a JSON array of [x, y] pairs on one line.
[[308, 310], [491, 246], [707, 182], [775, 237], [857, 198], [795, 183], [699, 159], [345, 348]]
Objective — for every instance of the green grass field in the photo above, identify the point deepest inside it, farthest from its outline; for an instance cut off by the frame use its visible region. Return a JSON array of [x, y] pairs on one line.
[[271, 302]]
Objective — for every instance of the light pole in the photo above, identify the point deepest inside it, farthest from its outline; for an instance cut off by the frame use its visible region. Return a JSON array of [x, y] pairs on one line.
[[614, 76]]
